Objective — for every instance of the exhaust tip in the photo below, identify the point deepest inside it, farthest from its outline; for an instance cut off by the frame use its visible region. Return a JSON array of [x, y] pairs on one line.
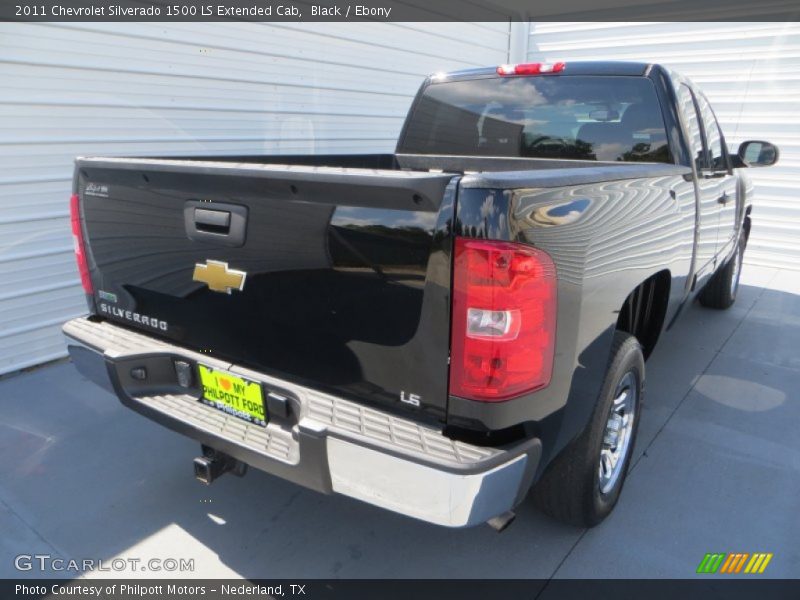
[[500, 522]]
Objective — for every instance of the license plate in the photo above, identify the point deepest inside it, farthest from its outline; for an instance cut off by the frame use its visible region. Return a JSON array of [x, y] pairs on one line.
[[233, 394]]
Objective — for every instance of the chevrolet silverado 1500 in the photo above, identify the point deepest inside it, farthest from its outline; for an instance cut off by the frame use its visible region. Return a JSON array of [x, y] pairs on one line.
[[436, 331]]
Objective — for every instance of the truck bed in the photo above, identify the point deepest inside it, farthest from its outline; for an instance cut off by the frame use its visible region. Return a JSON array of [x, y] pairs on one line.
[[410, 162]]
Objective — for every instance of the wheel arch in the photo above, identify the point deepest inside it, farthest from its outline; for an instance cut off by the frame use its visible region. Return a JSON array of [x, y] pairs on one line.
[[645, 308]]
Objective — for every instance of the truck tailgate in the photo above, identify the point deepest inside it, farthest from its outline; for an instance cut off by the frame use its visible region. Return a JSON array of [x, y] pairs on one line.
[[335, 278]]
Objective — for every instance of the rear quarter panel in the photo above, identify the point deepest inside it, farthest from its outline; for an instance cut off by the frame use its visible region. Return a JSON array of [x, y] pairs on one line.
[[605, 239]]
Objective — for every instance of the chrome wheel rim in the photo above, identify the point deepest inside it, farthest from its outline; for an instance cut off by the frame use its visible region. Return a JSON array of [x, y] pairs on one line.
[[737, 267], [617, 435]]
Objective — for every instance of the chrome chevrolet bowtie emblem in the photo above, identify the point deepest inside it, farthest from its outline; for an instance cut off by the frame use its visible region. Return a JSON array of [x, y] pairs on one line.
[[218, 277]]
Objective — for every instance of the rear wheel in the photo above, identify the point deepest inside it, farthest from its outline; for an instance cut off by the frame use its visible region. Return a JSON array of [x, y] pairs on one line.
[[720, 291], [582, 484]]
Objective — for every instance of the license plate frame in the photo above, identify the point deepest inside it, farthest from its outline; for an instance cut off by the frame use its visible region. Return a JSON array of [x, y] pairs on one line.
[[233, 394]]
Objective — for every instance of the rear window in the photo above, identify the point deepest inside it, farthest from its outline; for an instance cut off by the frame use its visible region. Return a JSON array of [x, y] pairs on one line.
[[578, 117]]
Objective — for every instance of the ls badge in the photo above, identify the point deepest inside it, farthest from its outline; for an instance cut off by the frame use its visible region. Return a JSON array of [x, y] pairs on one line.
[[219, 277]]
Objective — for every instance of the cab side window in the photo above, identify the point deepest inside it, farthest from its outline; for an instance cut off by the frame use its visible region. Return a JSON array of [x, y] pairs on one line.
[[695, 137], [717, 157]]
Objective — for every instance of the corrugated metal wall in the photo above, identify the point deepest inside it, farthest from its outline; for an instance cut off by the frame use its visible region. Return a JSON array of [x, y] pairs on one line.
[[750, 73], [123, 89]]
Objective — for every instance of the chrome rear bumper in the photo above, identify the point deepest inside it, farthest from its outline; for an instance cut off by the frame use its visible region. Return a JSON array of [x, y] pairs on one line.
[[326, 443]]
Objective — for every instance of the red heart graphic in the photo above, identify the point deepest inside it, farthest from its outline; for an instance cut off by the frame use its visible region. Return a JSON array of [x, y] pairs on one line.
[[226, 384]]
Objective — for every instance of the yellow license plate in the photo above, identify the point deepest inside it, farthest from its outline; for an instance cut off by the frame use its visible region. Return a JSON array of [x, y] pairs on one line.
[[234, 395]]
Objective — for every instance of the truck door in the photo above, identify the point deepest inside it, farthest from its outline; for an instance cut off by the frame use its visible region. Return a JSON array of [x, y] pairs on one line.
[[719, 169], [707, 187]]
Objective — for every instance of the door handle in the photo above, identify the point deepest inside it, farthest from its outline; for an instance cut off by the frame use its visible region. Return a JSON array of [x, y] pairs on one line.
[[215, 221], [218, 222], [724, 198]]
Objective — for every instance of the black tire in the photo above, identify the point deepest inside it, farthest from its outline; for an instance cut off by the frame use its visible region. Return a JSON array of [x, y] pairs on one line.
[[720, 291], [570, 489]]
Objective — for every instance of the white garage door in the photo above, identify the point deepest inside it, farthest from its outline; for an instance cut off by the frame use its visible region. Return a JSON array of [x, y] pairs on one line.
[[158, 89], [750, 73]]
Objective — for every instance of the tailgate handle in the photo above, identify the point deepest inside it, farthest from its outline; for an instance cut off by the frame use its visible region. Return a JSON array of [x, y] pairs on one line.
[[214, 221], [217, 222]]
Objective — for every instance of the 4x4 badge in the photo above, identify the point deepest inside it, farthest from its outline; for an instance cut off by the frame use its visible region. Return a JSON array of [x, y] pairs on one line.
[[218, 277]]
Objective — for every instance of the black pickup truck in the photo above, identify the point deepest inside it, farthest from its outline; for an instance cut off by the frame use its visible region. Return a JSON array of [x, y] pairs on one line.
[[437, 331]]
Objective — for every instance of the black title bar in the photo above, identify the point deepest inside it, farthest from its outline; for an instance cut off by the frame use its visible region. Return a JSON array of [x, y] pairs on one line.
[[727, 588], [394, 10]]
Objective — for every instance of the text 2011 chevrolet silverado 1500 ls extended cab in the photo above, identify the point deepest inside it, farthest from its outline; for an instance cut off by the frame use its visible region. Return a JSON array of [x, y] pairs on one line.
[[435, 331]]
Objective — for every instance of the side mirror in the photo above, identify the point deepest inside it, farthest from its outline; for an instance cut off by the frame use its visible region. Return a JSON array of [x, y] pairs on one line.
[[757, 153]]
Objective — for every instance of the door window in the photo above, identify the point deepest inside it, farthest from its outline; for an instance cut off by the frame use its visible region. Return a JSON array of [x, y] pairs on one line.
[[717, 157], [695, 137]]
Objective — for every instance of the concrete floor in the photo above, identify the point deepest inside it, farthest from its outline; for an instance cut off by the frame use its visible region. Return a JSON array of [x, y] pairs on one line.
[[717, 469]]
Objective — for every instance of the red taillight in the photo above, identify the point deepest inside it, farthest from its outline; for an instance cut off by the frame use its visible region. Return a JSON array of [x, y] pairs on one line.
[[531, 68], [80, 247], [504, 320]]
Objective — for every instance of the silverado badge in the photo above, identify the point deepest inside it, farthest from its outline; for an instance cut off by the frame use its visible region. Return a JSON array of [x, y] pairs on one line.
[[219, 277]]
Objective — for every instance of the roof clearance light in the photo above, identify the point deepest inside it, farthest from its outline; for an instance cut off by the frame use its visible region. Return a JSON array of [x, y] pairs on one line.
[[531, 68]]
